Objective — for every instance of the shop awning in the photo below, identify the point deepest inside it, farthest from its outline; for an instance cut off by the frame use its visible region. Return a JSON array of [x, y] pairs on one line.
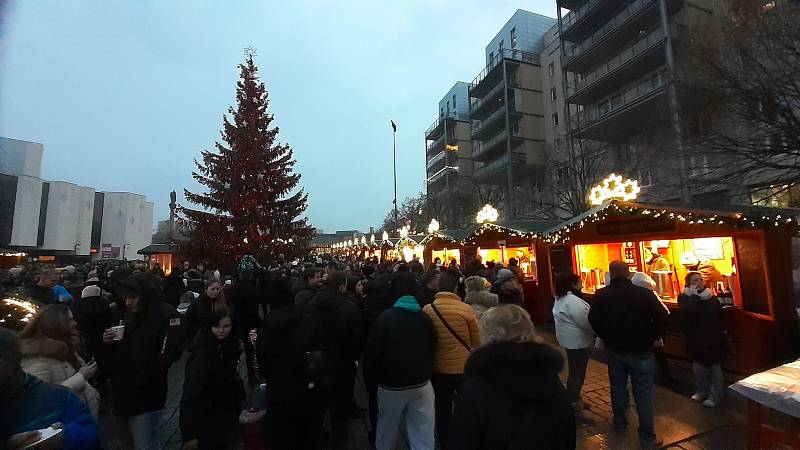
[[160, 248]]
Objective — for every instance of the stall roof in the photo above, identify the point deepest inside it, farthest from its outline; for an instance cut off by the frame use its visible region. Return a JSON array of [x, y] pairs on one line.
[[160, 248], [530, 226], [735, 215], [450, 235]]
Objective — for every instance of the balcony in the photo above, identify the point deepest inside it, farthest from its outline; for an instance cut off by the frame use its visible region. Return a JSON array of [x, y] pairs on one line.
[[625, 26], [437, 162], [496, 172], [482, 107], [493, 72], [435, 147], [580, 22], [483, 129], [437, 127], [626, 112], [485, 151], [571, 5], [637, 59], [440, 178]]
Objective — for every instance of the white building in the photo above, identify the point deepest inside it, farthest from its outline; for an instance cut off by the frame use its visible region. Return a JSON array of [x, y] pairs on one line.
[[60, 219]]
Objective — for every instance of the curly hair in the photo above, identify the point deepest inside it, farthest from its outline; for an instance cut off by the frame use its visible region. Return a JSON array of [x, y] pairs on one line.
[[507, 323]]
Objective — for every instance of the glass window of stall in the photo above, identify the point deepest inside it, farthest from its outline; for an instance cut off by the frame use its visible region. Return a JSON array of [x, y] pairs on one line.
[[667, 262], [525, 257], [447, 255]]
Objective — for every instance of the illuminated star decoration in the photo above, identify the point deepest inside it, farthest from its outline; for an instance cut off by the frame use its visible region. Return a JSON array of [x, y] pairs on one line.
[[372, 239], [487, 214], [404, 232], [614, 187], [363, 240], [433, 227], [385, 236], [230, 228]]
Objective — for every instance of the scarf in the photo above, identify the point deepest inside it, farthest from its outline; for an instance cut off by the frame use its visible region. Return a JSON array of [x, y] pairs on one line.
[[407, 302], [705, 295]]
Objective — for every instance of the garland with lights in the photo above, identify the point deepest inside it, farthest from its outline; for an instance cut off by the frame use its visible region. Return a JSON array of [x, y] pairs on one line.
[[488, 227]]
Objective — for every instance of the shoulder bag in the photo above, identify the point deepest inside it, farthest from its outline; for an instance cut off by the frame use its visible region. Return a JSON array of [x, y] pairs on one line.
[[449, 328]]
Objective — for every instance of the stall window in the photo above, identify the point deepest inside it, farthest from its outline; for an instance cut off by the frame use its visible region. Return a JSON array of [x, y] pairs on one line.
[[526, 258], [751, 272]]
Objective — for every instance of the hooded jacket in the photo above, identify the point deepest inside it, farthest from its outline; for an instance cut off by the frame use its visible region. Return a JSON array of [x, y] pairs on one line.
[[93, 316], [451, 355], [401, 348], [152, 341], [337, 322], [212, 390], [303, 293], [512, 398], [48, 360], [38, 405]]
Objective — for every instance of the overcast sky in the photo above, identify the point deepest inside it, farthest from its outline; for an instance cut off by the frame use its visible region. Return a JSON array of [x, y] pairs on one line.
[[124, 94]]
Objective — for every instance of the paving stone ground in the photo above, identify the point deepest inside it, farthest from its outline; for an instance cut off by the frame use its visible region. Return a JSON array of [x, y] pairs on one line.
[[682, 423]]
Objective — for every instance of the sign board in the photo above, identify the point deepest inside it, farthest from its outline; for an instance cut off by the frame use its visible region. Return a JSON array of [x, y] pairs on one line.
[[107, 251], [501, 243], [645, 225]]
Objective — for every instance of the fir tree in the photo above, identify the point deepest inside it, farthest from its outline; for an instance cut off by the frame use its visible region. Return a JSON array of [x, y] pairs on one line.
[[251, 205]]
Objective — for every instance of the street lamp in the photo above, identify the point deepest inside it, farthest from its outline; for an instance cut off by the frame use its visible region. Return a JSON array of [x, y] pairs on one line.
[[394, 167]]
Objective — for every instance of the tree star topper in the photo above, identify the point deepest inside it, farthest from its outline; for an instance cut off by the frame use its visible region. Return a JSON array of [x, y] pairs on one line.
[[487, 214], [614, 187]]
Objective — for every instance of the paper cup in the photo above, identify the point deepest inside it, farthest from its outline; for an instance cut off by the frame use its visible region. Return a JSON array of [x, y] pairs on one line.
[[119, 332]]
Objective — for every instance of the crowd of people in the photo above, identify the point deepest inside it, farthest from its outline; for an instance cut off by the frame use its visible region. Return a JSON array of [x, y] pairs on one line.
[[449, 352]]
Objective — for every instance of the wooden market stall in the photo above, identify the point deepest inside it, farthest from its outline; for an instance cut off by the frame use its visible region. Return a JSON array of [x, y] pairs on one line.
[[445, 245], [166, 255], [742, 252], [521, 240]]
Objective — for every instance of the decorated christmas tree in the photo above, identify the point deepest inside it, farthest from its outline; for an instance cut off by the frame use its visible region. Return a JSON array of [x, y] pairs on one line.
[[252, 205]]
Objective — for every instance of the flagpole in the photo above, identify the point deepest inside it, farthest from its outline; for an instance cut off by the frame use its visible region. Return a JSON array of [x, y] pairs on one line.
[[394, 169]]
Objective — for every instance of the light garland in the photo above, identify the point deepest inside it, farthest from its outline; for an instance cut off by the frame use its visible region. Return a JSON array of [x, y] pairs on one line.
[[372, 239], [385, 236], [487, 214], [614, 187], [510, 232], [404, 232]]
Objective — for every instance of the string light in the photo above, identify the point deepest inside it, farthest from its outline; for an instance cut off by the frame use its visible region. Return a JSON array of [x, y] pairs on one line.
[[614, 187], [487, 214]]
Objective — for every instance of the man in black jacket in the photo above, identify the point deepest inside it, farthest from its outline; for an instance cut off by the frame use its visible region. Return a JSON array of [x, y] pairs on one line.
[[151, 341], [308, 285], [629, 319], [338, 323], [399, 358]]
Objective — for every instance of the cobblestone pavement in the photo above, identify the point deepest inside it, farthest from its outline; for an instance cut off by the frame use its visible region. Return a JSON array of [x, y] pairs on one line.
[[683, 424]]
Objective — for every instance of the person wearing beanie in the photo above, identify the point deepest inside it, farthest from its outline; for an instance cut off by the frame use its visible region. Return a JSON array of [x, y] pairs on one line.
[[399, 360], [92, 313], [508, 288], [478, 295], [38, 405], [456, 336]]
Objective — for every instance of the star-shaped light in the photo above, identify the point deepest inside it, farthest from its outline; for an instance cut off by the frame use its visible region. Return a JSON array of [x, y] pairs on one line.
[[433, 227], [487, 214], [230, 228]]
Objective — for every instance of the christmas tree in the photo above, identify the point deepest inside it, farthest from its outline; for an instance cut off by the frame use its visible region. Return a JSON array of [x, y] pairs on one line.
[[252, 205]]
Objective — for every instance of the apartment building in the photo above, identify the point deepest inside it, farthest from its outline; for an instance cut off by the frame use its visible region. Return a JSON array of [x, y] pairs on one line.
[[507, 113], [448, 157]]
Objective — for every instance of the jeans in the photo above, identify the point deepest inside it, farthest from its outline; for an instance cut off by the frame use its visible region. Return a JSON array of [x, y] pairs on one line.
[[416, 405], [445, 387], [145, 430], [641, 370], [577, 359], [708, 380]]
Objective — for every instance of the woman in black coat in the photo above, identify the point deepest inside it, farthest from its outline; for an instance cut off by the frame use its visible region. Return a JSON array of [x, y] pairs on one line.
[[201, 312], [294, 401], [705, 339], [212, 389], [511, 396]]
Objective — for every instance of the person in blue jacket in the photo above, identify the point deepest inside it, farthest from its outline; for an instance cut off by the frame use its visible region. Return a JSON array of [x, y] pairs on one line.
[[29, 405]]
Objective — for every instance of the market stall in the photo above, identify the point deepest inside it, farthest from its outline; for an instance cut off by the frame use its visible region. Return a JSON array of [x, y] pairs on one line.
[[742, 252], [444, 245], [166, 256]]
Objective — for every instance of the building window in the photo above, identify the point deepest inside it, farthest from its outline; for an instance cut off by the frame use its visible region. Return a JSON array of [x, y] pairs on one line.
[[778, 196], [551, 69], [514, 37], [698, 165], [603, 107], [553, 94], [454, 102], [555, 119], [491, 57], [616, 101], [500, 49], [645, 177], [448, 106], [441, 112], [515, 129]]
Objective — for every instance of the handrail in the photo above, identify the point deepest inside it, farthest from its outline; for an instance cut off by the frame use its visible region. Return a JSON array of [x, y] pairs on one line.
[[477, 103], [572, 17], [438, 175], [478, 124], [482, 147], [655, 37], [447, 115], [497, 163], [435, 143], [612, 24], [507, 53], [439, 156], [628, 94]]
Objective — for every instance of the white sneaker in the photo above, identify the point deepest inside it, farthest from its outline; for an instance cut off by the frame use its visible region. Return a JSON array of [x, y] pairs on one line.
[[711, 402], [698, 397]]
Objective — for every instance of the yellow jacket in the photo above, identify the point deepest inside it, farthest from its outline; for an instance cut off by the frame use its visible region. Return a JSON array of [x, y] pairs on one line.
[[450, 354]]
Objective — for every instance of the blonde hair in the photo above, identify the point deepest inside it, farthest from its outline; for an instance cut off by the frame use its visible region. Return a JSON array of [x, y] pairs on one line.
[[506, 323]]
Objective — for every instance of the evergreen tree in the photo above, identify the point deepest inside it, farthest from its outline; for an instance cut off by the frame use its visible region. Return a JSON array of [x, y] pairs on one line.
[[251, 205]]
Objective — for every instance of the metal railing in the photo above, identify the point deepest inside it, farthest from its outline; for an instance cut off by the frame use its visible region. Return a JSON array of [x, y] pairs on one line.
[[447, 115], [499, 163], [477, 103], [652, 39], [507, 53], [479, 148], [612, 24], [622, 98], [433, 161], [573, 17], [477, 125], [440, 174], [435, 143]]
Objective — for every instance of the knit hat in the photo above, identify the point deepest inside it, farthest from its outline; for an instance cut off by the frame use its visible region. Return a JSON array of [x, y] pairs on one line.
[[90, 291], [10, 346], [404, 283], [503, 275]]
